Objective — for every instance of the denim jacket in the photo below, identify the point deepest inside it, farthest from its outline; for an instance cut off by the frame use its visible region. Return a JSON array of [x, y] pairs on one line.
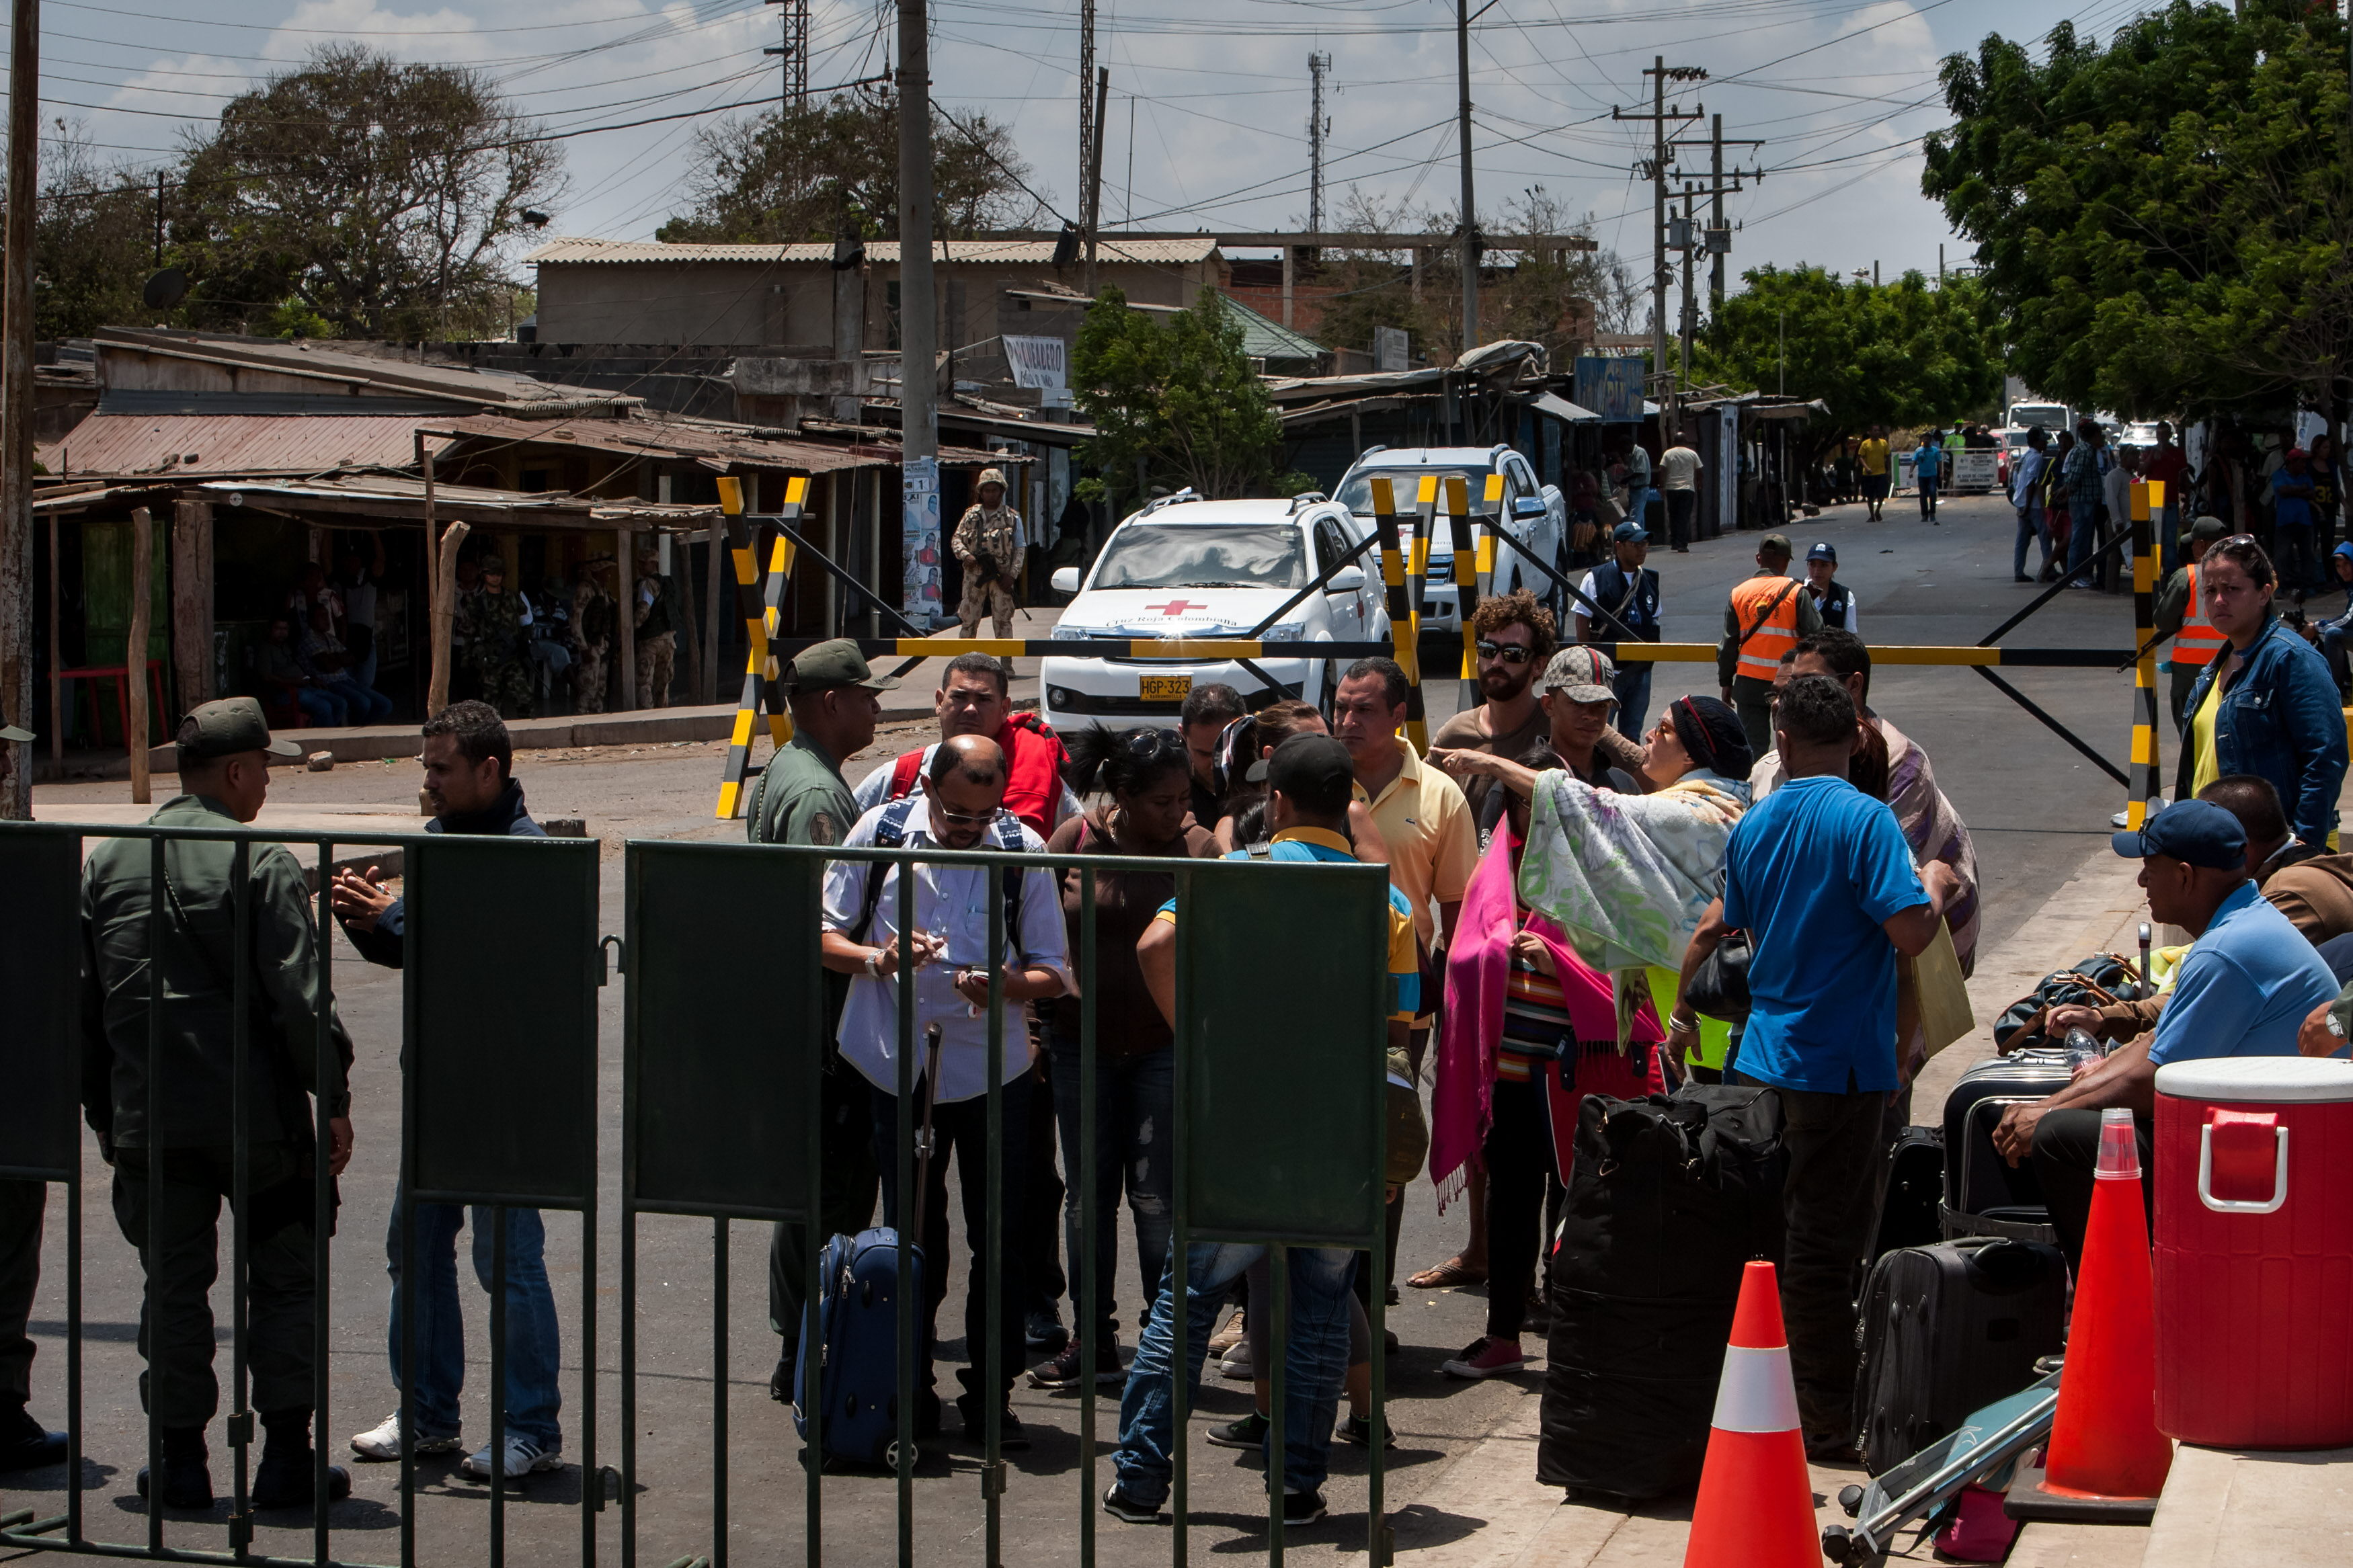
[[2280, 720]]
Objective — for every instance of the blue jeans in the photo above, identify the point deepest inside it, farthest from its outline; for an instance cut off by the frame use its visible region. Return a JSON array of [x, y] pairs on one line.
[[2031, 527], [1633, 688], [321, 708], [2299, 563], [365, 705], [1927, 485], [1315, 1364], [1637, 506], [2169, 538], [1135, 1119], [2084, 517], [533, 1354]]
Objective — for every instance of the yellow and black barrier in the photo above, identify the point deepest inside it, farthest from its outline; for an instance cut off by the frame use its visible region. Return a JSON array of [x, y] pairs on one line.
[[2146, 786], [1882, 653], [761, 612]]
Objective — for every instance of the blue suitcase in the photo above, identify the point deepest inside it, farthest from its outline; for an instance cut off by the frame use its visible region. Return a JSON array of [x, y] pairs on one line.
[[857, 1360]]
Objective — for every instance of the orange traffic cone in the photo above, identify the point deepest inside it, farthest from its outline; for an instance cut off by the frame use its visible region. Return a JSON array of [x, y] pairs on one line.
[[1756, 1506], [2103, 1438]]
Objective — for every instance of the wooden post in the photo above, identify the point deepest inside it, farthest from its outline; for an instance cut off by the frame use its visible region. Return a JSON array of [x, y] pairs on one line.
[[625, 572], [192, 602], [57, 681], [135, 651], [17, 391], [445, 607], [710, 687], [688, 637]]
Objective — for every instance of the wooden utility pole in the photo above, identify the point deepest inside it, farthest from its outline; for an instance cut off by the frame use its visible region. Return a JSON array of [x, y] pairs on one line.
[[1659, 115], [16, 395], [1093, 151], [1470, 213], [625, 625], [135, 651], [919, 417]]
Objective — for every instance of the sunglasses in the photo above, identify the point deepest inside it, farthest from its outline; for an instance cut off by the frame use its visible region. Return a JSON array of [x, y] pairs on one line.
[[962, 818], [1507, 653]]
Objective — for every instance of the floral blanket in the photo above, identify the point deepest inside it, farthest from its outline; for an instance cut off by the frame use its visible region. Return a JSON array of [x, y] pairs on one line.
[[1627, 877]]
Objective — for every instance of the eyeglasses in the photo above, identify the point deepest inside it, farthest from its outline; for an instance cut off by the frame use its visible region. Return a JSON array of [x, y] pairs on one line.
[[1145, 744], [1507, 653], [962, 818]]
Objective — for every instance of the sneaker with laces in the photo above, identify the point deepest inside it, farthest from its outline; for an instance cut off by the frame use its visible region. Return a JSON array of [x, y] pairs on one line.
[[1229, 1336], [1486, 1356], [1249, 1432], [382, 1441], [1302, 1508], [1067, 1370], [1236, 1363], [523, 1458], [1358, 1429], [1119, 1505]]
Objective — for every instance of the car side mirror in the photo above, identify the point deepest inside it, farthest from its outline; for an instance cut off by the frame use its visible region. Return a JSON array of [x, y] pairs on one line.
[[1347, 580], [1529, 507], [1065, 580]]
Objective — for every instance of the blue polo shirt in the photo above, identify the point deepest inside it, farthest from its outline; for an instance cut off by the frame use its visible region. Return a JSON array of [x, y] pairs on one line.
[[1404, 959], [1810, 874], [2245, 987]]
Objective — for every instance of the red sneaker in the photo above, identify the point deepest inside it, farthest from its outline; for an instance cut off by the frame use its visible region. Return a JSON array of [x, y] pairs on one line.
[[1486, 1356]]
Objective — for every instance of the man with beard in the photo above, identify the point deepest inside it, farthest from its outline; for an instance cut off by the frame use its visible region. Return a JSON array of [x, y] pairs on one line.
[[1514, 636]]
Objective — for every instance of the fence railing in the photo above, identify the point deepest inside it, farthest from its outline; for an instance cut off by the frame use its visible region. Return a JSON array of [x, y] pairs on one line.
[[1279, 1139]]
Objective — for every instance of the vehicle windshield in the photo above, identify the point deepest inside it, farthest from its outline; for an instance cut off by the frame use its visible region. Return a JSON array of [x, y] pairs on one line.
[[1356, 491], [1204, 555]]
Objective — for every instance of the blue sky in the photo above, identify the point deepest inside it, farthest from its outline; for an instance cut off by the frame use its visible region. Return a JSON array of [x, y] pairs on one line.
[[1209, 98]]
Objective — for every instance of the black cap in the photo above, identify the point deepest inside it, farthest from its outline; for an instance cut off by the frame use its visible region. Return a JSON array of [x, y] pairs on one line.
[[1311, 767]]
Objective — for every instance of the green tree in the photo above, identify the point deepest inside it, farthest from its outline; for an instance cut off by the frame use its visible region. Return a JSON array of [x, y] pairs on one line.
[[93, 241], [371, 194], [1174, 403], [1895, 354], [2162, 223], [808, 172]]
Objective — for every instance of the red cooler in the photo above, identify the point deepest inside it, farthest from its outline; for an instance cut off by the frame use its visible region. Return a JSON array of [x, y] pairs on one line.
[[2254, 1252]]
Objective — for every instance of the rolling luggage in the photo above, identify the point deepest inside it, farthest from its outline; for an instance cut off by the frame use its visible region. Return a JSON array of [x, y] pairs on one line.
[[1983, 1194], [1947, 1329], [861, 1285], [1669, 1199], [1912, 1191]]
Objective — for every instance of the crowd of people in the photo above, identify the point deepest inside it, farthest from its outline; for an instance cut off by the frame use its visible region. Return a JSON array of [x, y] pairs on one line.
[[1561, 868]]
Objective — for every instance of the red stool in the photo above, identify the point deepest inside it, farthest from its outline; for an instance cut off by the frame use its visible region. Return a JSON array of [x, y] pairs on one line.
[[120, 674]]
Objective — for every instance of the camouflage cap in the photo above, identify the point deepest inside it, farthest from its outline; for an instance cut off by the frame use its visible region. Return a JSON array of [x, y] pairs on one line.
[[990, 477], [227, 727], [1774, 544], [490, 564]]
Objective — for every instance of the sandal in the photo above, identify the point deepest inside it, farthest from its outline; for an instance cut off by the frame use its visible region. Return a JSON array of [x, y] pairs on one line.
[[1452, 1272]]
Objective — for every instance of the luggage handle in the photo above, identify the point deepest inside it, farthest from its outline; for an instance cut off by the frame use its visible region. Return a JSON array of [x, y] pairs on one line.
[[2235, 1206]]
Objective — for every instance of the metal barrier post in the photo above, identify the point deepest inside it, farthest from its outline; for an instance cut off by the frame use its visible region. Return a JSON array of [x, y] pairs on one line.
[[1180, 1247], [914, 1304], [157, 894], [1404, 644], [991, 1358], [240, 1278], [327, 1074], [1090, 1287], [2147, 786], [1466, 574]]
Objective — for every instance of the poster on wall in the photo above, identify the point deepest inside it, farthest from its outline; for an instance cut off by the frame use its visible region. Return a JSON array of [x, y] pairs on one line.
[[919, 542], [1612, 388]]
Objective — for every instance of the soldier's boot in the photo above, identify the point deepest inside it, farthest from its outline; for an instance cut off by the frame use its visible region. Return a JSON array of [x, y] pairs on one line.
[[25, 1443], [285, 1478], [187, 1473]]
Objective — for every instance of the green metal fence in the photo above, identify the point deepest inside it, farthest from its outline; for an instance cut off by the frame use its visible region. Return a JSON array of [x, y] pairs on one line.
[[1283, 1001]]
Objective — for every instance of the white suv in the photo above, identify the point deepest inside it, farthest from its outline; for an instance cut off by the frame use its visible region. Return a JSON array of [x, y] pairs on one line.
[[1185, 567], [1535, 517]]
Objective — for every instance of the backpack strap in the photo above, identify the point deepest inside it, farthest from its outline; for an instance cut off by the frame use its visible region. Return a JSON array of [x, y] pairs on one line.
[[904, 774], [890, 832]]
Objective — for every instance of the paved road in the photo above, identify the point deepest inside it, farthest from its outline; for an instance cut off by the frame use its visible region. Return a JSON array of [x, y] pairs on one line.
[[2036, 808]]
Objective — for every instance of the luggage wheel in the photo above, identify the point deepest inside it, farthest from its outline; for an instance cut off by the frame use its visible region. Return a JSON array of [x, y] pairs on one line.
[[891, 1455]]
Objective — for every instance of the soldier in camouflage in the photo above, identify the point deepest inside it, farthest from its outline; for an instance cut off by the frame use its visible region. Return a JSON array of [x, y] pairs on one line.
[[988, 543], [494, 643], [592, 636]]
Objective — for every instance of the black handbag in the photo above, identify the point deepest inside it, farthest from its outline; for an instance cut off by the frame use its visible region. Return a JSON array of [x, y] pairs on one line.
[[1719, 986]]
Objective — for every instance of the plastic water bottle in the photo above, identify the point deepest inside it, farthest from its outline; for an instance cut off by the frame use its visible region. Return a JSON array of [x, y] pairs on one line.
[[2083, 1052]]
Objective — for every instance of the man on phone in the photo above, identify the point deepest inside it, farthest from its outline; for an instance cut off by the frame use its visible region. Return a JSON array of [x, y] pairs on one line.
[[469, 778]]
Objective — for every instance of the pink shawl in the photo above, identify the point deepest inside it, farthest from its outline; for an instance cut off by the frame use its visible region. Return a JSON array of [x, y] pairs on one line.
[[1478, 968]]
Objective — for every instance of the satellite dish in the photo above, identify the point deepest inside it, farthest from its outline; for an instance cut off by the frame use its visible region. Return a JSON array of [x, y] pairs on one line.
[[166, 289]]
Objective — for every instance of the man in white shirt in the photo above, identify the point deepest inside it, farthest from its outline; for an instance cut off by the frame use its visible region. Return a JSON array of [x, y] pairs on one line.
[[2115, 493], [1679, 469], [961, 807]]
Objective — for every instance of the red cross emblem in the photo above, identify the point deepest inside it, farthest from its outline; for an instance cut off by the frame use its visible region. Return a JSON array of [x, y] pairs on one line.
[[1175, 607]]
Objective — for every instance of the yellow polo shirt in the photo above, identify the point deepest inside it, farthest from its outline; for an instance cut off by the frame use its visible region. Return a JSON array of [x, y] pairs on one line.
[[1433, 842]]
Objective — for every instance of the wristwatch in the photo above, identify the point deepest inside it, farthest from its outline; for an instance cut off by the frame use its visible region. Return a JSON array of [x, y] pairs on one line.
[[873, 963]]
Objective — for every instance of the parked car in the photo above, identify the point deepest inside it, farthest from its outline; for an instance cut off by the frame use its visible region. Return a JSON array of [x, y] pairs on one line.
[[1535, 517], [1185, 567]]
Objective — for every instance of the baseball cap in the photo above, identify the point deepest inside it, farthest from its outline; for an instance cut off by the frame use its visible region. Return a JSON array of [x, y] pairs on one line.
[[1822, 551], [2207, 528], [1581, 674], [227, 727], [1315, 766], [10, 732], [2195, 832], [1773, 541], [1630, 533], [826, 665]]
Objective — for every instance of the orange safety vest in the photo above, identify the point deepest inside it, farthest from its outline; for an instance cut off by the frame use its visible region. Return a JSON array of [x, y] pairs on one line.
[[1761, 650], [2197, 643]]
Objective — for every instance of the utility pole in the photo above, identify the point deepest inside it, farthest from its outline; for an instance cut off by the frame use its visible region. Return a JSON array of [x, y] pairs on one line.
[[1659, 115], [1690, 309], [1087, 126], [1093, 153], [792, 89], [17, 399], [1720, 235], [919, 418], [1318, 127], [1470, 208]]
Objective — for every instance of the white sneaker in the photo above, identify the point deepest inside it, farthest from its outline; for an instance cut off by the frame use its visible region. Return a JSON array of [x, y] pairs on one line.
[[523, 1458], [383, 1441], [1236, 1363]]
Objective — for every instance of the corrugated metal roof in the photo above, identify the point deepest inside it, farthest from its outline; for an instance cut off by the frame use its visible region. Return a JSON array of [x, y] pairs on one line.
[[1265, 337], [1025, 252], [718, 445], [204, 443], [399, 489], [348, 365]]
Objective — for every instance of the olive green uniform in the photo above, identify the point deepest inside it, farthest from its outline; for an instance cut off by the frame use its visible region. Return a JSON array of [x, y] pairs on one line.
[[802, 799], [494, 645], [189, 1087], [656, 640]]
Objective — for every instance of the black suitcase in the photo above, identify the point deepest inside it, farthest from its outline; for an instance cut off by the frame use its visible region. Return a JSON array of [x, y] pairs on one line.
[[1948, 1330], [1983, 1194], [1669, 1199], [1912, 1191]]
